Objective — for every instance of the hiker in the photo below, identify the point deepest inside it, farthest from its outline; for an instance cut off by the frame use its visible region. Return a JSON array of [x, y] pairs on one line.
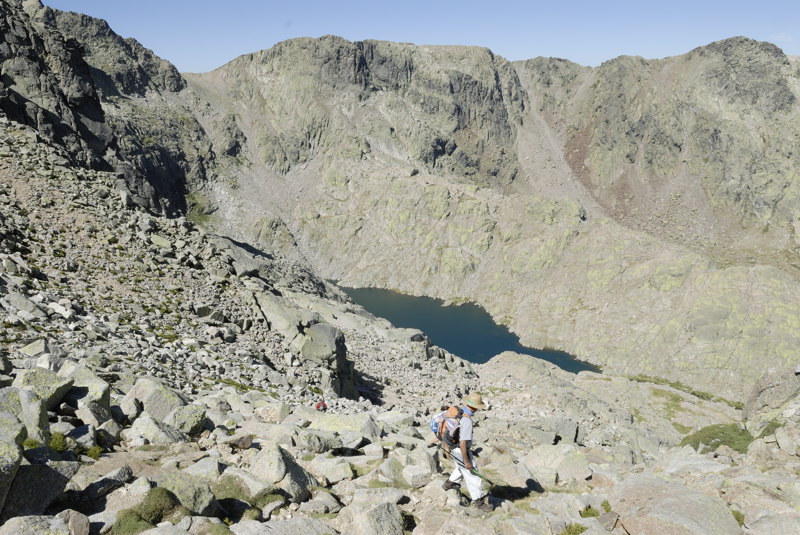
[[463, 458]]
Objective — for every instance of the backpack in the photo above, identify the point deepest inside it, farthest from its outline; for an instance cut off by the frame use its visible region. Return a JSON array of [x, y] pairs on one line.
[[447, 424]]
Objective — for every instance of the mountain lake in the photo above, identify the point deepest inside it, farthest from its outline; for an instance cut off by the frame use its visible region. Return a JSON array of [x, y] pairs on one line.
[[466, 330]]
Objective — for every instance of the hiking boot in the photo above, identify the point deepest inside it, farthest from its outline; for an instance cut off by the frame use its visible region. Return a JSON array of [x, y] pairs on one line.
[[451, 485], [483, 504]]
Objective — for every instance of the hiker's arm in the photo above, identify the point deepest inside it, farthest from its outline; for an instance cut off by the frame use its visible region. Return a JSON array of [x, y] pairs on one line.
[[465, 455]]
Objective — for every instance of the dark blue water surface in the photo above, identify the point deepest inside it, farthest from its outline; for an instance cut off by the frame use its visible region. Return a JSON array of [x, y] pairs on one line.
[[466, 330]]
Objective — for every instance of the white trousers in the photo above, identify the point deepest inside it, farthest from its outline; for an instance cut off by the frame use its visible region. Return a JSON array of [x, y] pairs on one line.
[[473, 482]]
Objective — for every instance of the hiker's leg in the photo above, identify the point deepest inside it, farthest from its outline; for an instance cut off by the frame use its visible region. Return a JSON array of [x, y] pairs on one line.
[[474, 483], [458, 465]]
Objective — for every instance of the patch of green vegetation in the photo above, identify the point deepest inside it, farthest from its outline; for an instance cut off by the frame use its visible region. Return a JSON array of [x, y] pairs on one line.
[[680, 428], [129, 523], [158, 505], [234, 497], [229, 487], [714, 436], [167, 335], [262, 500], [30, 443], [219, 529], [672, 401], [315, 390], [684, 388], [94, 452], [606, 506], [739, 516], [241, 388], [58, 442], [637, 415], [573, 529], [589, 512], [772, 426]]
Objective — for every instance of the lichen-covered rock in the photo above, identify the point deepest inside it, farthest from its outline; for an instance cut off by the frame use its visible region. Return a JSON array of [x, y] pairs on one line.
[[318, 440], [94, 413], [241, 484], [11, 429], [24, 525], [340, 423], [273, 413], [292, 526], [152, 431], [647, 504], [44, 383], [29, 409], [192, 492], [77, 523], [10, 460], [158, 399], [274, 465], [87, 386], [776, 389], [333, 469], [189, 419], [380, 519]]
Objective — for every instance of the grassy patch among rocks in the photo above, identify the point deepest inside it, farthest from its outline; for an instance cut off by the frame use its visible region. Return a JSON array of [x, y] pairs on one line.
[[714, 436]]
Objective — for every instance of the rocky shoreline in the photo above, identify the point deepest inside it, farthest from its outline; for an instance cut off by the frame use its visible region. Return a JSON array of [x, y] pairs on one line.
[[161, 380]]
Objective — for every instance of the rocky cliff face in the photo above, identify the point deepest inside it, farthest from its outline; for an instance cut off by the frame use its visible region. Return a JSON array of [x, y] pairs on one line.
[[46, 84], [697, 140], [328, 98], [108, 100]]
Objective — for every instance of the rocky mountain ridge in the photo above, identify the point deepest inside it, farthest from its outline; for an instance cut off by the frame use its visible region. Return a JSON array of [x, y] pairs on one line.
[[694, 238]]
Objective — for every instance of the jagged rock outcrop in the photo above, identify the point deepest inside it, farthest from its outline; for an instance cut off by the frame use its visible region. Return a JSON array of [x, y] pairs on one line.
[[450, 109], [47, 84], [109, 101], [160, 146], [639, 132]]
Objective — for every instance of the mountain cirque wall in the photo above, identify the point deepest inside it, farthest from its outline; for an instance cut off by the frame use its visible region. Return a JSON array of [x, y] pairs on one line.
[[707, 135], [112, 103], [655, 233], [310, 98]]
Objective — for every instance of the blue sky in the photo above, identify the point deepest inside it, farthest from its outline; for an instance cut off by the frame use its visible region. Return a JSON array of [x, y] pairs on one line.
[[200, 35]]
